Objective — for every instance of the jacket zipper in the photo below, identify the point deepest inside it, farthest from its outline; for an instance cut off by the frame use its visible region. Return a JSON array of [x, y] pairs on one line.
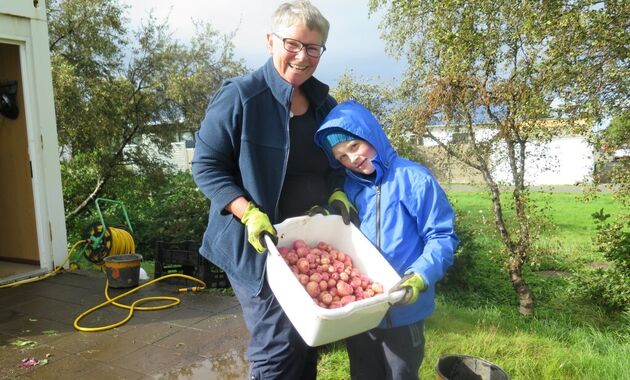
[[388, 317], [378, 216], [286, 159]]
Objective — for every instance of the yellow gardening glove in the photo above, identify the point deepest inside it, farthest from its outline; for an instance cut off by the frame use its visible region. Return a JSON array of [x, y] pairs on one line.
[[258, 225], [341, 205], [414, 284]]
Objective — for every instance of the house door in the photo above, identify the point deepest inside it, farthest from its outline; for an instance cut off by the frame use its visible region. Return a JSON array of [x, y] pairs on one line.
[[18, 230]]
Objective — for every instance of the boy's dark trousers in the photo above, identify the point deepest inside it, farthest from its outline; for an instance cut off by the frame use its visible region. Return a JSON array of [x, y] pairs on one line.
[[387, 354]]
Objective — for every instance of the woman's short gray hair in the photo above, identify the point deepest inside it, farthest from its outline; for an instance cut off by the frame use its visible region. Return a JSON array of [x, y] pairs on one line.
[[300, 12]]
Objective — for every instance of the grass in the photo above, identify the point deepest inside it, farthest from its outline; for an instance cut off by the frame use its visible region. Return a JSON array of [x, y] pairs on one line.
[[477, 315], [537, 348]]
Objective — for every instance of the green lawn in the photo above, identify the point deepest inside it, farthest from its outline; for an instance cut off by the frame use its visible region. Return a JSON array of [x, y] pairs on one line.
[[477, 312]]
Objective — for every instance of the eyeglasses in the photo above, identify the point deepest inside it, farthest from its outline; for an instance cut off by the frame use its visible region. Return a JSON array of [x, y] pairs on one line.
[[294, 46]]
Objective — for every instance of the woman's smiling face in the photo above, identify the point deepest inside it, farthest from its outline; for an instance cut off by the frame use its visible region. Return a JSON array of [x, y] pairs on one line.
[[295, 68]]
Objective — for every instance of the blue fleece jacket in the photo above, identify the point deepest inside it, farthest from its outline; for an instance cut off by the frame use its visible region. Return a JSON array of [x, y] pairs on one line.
[[241, 149]]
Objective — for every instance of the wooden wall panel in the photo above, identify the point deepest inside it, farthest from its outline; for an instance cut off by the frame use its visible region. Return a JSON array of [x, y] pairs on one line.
[[18, 232]]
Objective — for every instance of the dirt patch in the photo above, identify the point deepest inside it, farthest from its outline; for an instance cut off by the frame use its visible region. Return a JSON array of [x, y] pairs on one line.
[[553, 273], [599, 265]]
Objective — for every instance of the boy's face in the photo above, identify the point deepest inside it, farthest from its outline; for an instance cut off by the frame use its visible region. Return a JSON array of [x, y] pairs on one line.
[[355, 155]]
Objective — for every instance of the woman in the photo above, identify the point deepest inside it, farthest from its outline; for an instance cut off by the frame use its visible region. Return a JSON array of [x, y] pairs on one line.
[[255, 159]]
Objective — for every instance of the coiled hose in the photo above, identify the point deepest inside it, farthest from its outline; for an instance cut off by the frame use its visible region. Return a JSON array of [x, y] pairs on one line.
[[121, 243], [133, 306]]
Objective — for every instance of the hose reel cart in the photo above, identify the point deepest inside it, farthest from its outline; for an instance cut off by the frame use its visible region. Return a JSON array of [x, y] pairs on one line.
[[102, 240]]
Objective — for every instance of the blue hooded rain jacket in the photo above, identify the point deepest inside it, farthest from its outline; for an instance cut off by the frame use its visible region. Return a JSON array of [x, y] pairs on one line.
[[403, 210]]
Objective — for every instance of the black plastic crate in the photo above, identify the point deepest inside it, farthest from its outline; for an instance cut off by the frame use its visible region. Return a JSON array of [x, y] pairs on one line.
[[212, 275], [183, 257]]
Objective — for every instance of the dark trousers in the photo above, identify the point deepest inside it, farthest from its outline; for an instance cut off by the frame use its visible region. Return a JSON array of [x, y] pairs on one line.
[[387, 354], [275, 349]]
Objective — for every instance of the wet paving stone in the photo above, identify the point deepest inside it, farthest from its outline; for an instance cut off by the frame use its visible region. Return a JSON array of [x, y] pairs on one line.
[[230, 365], [204, 337], [152, 360]]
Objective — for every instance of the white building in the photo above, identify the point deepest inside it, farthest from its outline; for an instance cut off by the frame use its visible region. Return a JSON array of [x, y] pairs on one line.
[[32, 223], [565, 160]]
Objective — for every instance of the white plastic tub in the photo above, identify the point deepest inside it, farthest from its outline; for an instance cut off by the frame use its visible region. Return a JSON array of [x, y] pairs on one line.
[[318, 325]]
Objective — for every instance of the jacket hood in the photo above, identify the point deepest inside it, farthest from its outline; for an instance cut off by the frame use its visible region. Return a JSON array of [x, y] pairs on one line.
[[354, 118]]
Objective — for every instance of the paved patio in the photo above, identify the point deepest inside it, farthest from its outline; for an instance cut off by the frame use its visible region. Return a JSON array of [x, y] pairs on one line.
[[203, 337]]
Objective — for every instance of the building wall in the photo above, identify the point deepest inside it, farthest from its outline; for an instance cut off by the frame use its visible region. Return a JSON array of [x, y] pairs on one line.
[[23, 24], [565, 160]]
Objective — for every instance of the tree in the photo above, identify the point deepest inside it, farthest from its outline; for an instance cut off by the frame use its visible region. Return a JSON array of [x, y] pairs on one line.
[[496, 62], [119, 99], [380, 99]]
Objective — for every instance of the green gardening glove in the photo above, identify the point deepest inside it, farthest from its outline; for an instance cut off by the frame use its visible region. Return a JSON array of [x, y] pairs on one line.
[[258, 225], [341, 205], [414, 284]]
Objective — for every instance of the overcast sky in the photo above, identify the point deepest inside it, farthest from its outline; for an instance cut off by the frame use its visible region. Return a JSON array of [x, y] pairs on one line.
[[354, 41]]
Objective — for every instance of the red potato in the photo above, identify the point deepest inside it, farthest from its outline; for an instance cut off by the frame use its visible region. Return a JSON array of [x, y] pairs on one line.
[[335, 305], [325, 297], [311, 258], [303, 278], [292, 257], [302, 251], [365, 281], [358, 291], [303, 265], [347, 299], [347, 261], [343, 276], [299, 243], [333, 291], [377, 288], [338, 265], [323, 246], [332, 282], [343, 288], [355, 282], [312, 288], [333, 254], [328, 275]]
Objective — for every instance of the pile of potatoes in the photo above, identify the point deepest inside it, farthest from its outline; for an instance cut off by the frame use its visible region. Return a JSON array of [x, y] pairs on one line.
[[328, 275]]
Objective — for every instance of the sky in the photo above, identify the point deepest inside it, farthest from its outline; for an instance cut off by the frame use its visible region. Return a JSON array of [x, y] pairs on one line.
[[354, 43]]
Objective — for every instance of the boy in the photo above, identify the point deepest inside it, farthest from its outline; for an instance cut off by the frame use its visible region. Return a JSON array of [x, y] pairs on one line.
[[407, 216]]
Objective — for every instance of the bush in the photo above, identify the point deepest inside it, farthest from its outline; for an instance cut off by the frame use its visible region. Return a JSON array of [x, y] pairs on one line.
[[476, 277], [610, 287], [160, 207]]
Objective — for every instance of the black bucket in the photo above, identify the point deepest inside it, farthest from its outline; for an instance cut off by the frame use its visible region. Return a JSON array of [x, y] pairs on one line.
[[464, 367], [123, 271]]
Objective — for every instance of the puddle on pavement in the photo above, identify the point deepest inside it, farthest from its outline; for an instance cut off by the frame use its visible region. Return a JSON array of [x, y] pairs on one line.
[[232, 365]]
